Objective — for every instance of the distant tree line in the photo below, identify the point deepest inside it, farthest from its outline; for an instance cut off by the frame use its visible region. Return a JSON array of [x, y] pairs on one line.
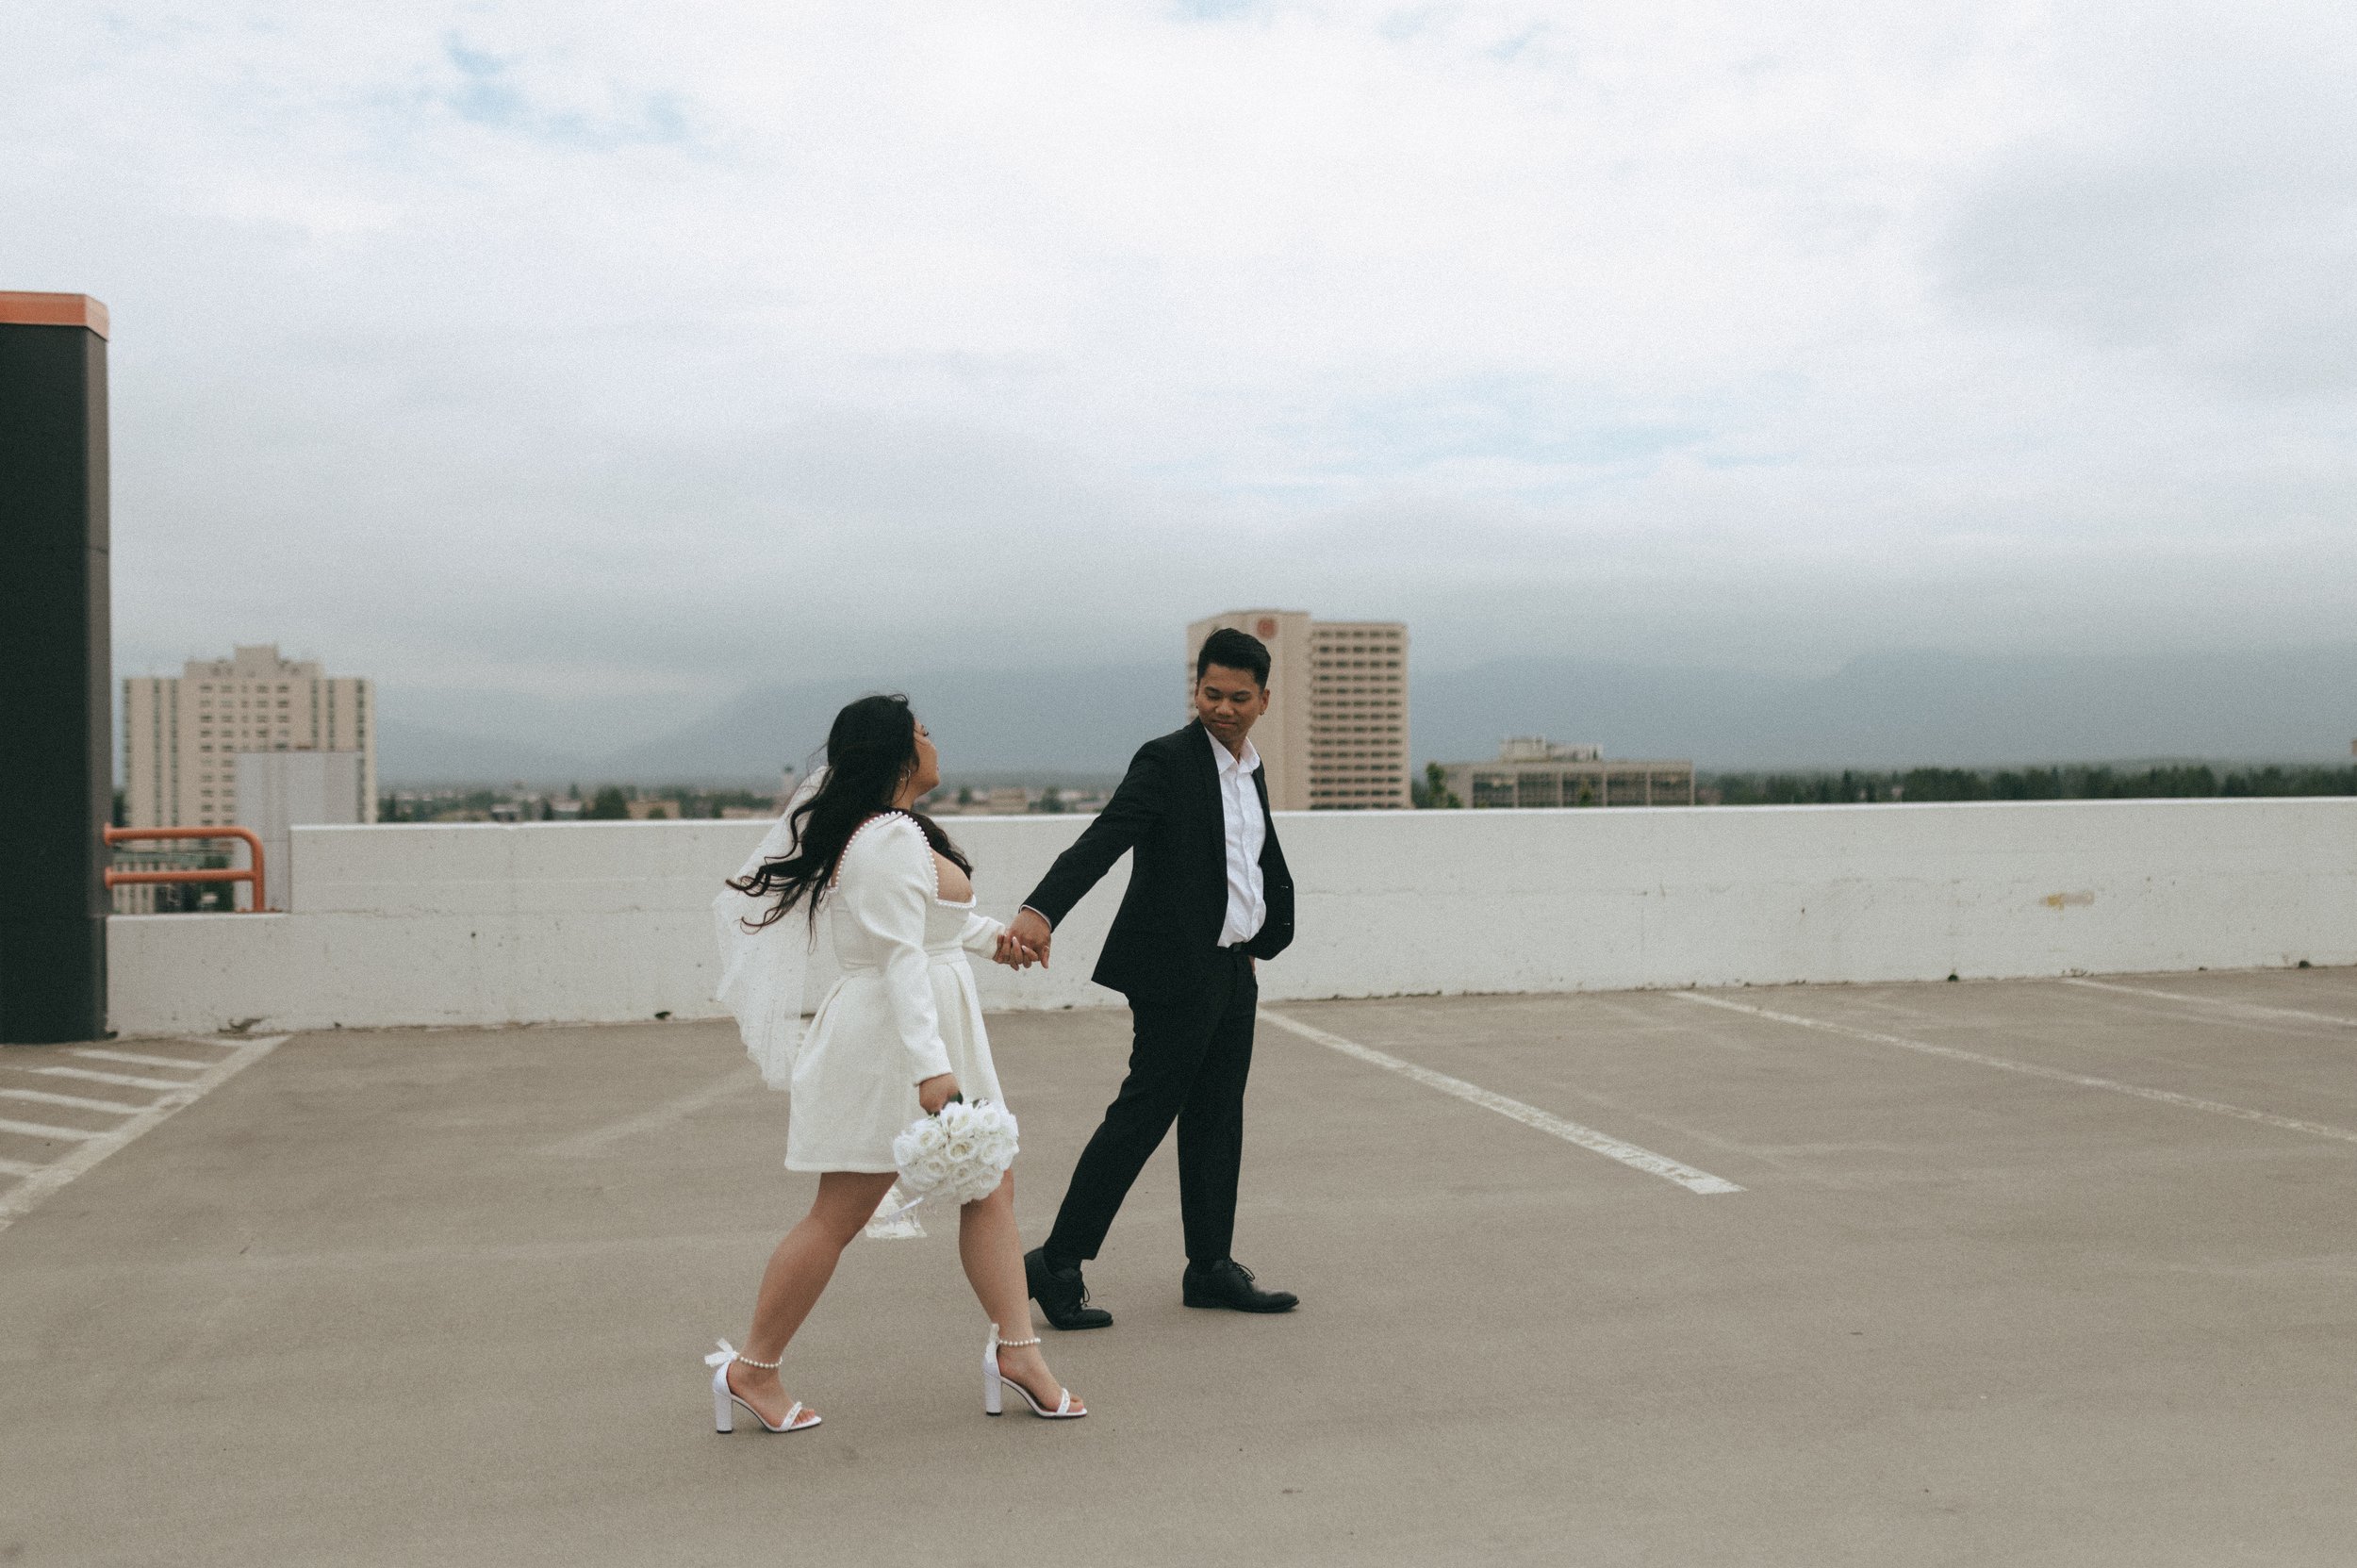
[[607, 804], [1432, 792], [2076, 781]]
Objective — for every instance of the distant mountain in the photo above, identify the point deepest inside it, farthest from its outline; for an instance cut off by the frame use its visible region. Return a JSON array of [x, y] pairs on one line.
[[1907, 708], [580, 727], [1892, 709], [463, 735], [412, 755], [1047, 725], [985, 720]]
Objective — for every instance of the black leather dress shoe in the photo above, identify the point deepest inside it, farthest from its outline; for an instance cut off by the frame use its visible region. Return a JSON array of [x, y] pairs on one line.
[[1063, 1296], [1229, 1283]]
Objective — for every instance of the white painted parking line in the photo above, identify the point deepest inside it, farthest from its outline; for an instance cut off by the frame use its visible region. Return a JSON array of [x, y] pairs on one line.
[[38, 1183], [137, 1060], [90, 1075], [16, 1167], [42, 1129], [2249, 1009], [2085, 1081], [42, 1096], [1529, 1116]]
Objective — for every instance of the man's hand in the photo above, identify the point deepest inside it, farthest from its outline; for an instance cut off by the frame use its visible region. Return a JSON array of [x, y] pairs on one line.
[[936, 1091], [1014, 954], [1030, 929]]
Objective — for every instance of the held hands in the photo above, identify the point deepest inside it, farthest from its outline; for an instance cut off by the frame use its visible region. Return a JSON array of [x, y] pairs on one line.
[[1014, 954], [1030, 935], [937, 1092]]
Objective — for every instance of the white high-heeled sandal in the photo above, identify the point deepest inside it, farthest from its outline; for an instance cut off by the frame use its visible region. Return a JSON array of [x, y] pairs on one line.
[[723, 1396], [993, 1380]]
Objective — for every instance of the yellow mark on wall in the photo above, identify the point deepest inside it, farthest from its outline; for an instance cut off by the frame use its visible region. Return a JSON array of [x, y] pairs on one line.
[[2063, 900]]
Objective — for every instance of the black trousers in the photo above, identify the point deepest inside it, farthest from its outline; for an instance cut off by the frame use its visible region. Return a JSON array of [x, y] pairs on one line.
[[1188, 1061]]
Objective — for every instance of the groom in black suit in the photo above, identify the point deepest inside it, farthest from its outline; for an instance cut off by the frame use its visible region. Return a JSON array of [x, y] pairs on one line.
[[1208, 897]]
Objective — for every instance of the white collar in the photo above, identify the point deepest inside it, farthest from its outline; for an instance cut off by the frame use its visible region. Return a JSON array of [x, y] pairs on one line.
[[1228, 761]]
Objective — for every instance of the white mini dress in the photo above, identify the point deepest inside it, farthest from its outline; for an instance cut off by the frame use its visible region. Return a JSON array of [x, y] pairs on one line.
[[905, 1009]]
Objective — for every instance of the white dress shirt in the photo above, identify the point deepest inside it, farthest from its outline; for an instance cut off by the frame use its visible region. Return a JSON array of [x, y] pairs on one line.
[[1247, 830]]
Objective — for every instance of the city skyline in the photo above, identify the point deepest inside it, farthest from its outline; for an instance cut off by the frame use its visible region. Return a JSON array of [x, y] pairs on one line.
[[1072, 724]]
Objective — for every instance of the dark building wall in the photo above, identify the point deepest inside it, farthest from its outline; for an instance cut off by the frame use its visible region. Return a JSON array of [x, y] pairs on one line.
[[57, 769]]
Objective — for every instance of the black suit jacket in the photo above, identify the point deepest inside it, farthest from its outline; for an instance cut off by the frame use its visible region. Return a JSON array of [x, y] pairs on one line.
[[1167, 814]]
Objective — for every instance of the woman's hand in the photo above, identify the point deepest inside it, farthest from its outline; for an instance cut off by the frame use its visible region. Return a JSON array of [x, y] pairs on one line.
[[937, 1092], [1031, 932], [1013, 954]]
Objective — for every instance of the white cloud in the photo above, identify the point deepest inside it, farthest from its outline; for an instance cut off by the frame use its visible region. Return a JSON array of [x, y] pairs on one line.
[[2201, 218], [587, 346]]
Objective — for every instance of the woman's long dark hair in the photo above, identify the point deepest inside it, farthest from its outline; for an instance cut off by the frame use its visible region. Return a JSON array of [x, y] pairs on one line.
[[872, 750]]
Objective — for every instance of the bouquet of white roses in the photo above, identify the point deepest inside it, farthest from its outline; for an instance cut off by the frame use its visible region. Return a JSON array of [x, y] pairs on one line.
[[959, 1153]]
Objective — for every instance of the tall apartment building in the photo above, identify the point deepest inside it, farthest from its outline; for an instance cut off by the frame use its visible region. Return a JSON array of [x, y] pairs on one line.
[[1335, 737], [182, 734]]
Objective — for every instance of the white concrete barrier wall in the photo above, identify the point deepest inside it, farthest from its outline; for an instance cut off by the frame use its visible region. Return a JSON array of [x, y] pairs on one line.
[[609, 921]]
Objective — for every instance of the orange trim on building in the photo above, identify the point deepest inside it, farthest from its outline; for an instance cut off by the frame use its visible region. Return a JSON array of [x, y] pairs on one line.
[[23, 309]]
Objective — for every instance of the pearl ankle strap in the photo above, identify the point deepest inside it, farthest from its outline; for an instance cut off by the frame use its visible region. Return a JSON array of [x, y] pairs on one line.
[[1017, 1343], [731, 1353]]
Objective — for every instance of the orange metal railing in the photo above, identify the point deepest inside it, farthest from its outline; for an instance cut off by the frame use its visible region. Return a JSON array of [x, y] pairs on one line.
[[252, 873]]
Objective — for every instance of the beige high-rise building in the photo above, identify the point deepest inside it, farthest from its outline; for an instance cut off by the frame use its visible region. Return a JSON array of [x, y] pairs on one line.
[[182, 734], [1335, 737]]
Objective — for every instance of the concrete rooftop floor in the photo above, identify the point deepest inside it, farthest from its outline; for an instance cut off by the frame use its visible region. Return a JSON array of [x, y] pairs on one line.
[[2021, 1273]]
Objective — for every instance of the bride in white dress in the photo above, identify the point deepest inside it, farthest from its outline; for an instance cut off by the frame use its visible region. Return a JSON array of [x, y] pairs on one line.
[[899, 1035]]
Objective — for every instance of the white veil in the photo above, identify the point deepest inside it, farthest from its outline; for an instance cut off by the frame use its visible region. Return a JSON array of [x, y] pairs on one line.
[[762, 972]]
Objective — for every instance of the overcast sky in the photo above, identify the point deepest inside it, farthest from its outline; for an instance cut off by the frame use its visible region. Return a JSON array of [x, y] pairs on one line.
[[660, 350]]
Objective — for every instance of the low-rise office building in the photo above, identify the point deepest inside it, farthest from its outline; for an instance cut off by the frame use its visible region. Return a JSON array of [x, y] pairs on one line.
[[1532, 772]]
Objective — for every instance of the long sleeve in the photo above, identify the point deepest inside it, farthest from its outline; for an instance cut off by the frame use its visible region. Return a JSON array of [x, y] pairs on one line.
[[1133, 811], [887, 886], [979, 936]]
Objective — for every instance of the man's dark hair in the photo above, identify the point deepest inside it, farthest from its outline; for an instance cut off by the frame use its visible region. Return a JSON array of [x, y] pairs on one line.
[[1234, 649]]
